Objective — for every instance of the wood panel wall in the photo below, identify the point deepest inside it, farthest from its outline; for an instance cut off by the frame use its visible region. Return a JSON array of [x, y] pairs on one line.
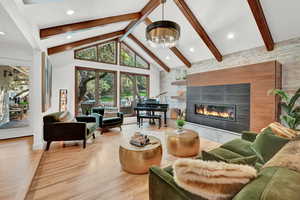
[[262, 77]]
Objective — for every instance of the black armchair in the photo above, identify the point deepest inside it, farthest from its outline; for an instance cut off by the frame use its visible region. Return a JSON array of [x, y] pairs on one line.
[[55, 130], [107, 123]]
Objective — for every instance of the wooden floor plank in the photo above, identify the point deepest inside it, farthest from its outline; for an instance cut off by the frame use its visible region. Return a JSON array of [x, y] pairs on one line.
[[72, 172], [18, 163]]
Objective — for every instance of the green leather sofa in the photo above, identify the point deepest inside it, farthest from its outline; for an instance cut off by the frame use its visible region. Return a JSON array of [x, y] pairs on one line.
[[272, 183]]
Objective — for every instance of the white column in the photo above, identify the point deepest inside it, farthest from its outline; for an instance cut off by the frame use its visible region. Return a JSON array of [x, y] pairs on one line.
[[36, 100]]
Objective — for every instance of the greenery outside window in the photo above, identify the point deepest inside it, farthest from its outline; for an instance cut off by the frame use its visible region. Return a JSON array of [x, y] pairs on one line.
[[105, 52], [130, 58], [133, 88], [94, 88], [89, 53], [127, 56]]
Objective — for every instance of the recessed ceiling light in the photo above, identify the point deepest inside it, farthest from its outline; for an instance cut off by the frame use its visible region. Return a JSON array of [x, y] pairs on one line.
[[192, 49], [168, 58], [2, 33], [69, 36], [230, 36], [70, 12]]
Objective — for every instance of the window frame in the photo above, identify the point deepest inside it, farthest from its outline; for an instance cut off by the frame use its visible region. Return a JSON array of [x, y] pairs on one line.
[[97, 51], [134, 91], [77, 68], [135, 54]]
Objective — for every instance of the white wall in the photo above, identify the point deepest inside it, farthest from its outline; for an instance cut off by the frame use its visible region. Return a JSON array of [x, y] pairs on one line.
[[64, 76]]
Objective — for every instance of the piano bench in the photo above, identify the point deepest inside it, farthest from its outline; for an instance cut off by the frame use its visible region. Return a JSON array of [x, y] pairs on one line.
[[141, 117]]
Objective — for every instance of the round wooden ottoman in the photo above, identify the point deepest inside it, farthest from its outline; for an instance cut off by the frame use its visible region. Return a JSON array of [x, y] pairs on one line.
[[138, 160], [183, 144]]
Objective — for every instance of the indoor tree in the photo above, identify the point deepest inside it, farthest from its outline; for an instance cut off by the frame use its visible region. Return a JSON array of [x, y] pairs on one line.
[[291, 114]]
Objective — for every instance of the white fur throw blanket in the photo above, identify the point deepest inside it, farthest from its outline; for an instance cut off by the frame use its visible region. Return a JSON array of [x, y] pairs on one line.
[[210, 179]]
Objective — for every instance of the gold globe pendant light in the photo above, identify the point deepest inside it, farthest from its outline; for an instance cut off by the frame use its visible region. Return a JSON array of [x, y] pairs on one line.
[[164, 33]]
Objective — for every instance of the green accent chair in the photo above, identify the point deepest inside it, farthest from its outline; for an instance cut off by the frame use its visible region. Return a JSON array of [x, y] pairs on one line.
[[107, 123]]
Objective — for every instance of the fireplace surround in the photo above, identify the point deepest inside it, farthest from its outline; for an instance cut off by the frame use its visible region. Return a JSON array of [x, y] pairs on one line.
[[225, 107]]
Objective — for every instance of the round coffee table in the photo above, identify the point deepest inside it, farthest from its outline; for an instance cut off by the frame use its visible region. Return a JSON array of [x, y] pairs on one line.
[[183, 144], [138, 160]]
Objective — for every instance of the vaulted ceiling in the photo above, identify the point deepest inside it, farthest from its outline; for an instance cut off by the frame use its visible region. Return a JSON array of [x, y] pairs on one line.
[[10, 34], [230, 25]]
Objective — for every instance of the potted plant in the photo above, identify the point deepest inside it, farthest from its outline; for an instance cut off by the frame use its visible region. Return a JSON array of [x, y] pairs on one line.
[[180, 122], [291, 115]]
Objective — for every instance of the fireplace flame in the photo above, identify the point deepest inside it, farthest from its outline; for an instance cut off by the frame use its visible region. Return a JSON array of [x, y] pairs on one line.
[[204, 111]]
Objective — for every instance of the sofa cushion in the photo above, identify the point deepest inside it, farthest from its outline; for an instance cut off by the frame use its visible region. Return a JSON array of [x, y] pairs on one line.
[[111, 120], [212, 180], [66, 117], [91, 127], [266, 145], [247, 160], [288, 157], [169, 170], [225, 154], [239, 146], [52, 118], [273, 183], [249, 135]]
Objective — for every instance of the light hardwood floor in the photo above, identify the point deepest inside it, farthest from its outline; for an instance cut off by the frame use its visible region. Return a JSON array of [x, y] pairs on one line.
[[72, 172], [18, 164]]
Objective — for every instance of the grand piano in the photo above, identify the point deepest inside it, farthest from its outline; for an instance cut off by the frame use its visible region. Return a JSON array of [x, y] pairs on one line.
[[152, 106]]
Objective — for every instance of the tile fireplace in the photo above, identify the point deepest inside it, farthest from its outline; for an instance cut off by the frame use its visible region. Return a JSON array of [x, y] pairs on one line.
[[225, 107]]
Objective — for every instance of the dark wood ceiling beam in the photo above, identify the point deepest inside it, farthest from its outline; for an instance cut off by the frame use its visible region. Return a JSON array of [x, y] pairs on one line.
[[51, 31], [181, 56], [175, 50], [71, 45], [151, 5], [186, 11], [150, 53], [262, 24]]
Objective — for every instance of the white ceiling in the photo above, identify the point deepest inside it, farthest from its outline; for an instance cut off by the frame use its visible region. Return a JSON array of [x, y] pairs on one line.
[[219, 18], [13, 36]]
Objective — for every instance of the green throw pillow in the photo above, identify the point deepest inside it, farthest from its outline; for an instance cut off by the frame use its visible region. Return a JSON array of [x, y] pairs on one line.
[[248, 160], [266, 145]]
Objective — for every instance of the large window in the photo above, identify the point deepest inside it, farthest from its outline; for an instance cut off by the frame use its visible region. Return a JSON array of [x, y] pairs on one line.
[[130, 58], [133, 88], [104, 52], [94, 88]]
